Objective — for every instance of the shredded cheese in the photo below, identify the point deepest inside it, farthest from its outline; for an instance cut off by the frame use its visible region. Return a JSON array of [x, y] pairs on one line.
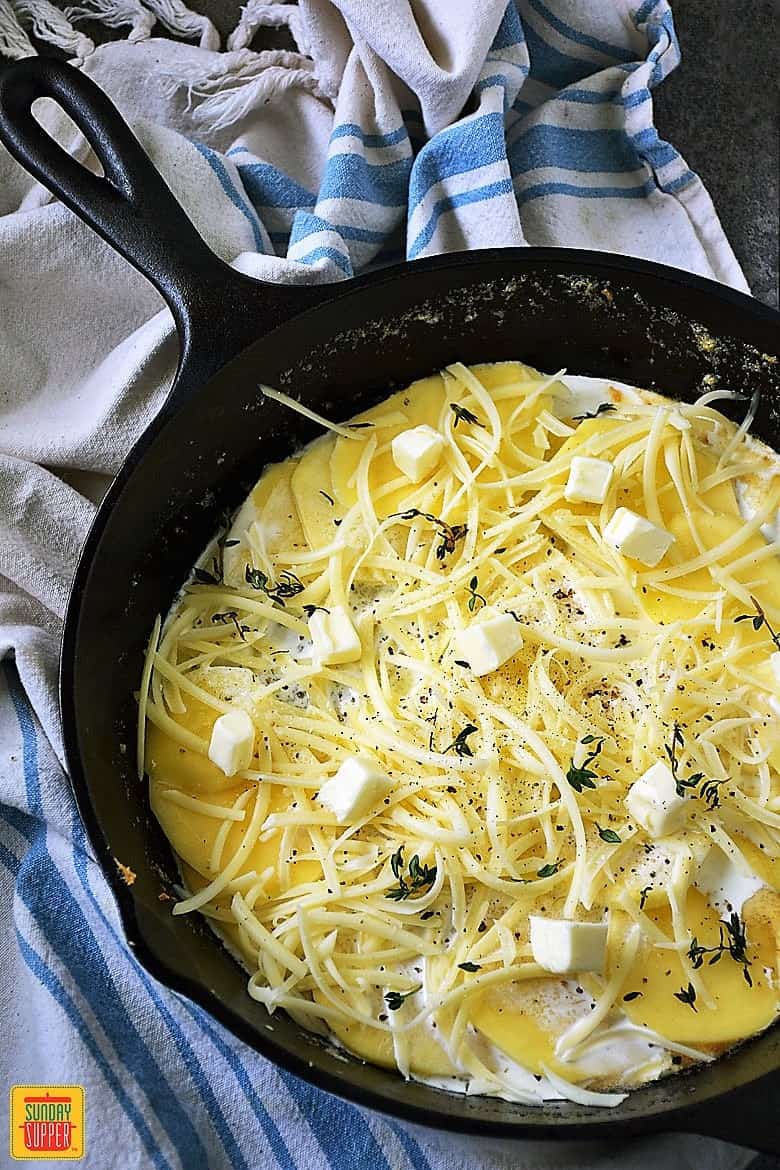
[[508, 789]]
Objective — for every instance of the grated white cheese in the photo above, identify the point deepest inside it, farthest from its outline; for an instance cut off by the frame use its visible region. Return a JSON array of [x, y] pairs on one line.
[[482, 822]]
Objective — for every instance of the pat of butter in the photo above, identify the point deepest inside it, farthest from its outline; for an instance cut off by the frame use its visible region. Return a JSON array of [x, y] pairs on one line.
[[653, 802], [565, 947], [334, 639], [416, 452], [354, 790], [232, 742], [725, 884], [485, 645], [637, 537], [589, 480]]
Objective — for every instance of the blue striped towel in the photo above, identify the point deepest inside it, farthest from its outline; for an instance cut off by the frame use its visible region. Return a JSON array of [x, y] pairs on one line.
[[378, 139]]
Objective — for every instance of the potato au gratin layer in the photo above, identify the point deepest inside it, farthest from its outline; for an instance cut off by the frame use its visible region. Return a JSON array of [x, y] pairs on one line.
[[465, 733]]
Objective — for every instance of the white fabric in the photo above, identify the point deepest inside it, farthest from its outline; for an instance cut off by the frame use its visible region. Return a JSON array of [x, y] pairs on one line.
[[87, 349]]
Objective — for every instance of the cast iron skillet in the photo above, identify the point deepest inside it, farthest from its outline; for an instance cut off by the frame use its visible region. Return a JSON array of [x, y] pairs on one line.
[[340, 349]]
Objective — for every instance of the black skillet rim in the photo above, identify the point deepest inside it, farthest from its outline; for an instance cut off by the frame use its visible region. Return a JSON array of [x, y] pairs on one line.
[[567, 262]]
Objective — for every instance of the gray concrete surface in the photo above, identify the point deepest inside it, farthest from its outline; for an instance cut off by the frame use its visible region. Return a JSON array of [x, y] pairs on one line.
[[720, 109]]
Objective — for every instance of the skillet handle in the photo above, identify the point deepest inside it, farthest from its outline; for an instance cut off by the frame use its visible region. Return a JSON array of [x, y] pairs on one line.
[[217, 311]]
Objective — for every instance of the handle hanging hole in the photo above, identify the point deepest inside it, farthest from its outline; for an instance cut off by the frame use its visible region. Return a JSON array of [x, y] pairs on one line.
[[51, 117]]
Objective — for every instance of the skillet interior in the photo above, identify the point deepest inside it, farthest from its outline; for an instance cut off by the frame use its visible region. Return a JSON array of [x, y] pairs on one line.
[[592, 314]]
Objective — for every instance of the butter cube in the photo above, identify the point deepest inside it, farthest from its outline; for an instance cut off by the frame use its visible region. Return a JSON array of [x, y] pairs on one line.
[[653, 802], [565, 947], [232, 742], [589, 480], [355, 789], [485, 645], [416, 452], [334, 639], [636, 536], [727, 885]]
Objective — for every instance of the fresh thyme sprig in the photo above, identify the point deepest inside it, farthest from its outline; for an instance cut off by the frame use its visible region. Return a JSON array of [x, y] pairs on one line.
[[732, 941], [396, 999], [707, 788], [449, 534], [475, 597], [460, 743], [760, 619], [287, 586], [419, 877], [603, 408], [464, 415], [583, 776]]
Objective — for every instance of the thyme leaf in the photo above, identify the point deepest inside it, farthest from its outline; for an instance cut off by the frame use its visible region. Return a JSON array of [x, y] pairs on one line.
[[475, 597], [419, 877], [203, 577], [687, 995], [609, 835], [397, 862], [287, 586], [470, 967], [583, 776], [759, 620], [255, 578], [548, 870], [396, 999], [464, 415], [603, 408], [460, 743]]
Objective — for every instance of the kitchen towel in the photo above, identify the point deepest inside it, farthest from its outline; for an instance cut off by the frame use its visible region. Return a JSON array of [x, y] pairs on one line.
[[389, 130]]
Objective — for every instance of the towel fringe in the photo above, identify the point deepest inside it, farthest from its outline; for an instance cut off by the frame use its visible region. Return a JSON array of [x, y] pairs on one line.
[[240, 81], [257, 14], [182, 21], [51, 25], [14, 42], [116, 14]]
